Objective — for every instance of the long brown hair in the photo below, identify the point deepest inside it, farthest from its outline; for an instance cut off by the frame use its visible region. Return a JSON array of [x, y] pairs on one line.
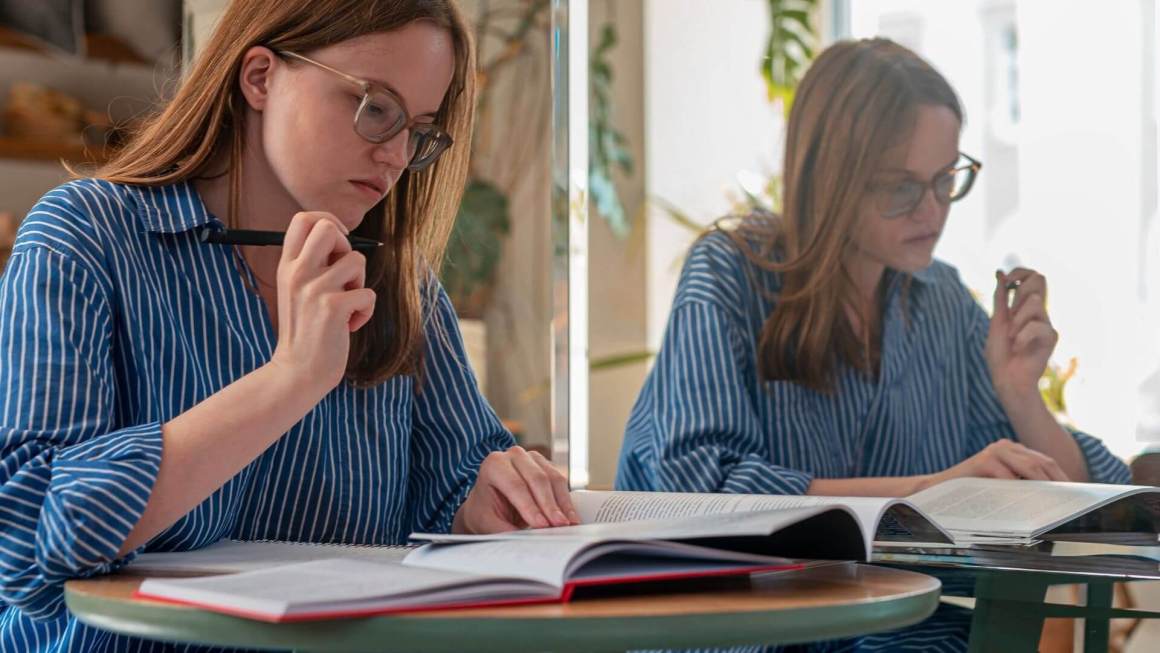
[[856, 101], [203, 125]]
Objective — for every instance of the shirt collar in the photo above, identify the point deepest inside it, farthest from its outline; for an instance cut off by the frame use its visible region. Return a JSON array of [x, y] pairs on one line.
[[895, 280], [172, 208], [926, 275]]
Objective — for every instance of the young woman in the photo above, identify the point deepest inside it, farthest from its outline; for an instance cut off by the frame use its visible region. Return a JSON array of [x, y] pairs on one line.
[[823, 351], [163, 393]]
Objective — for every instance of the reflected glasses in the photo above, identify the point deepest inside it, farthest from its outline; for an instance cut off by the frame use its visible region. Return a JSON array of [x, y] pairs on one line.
[[381, 115], [898, 199]]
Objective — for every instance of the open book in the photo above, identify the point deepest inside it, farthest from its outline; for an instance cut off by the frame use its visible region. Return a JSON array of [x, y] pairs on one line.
[[626, 538], [630, 537], [1000, 511], [348, 581], [957, 512], [835, 528]]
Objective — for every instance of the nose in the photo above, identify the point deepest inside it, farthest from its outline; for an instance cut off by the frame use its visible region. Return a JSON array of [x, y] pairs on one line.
[[393, 152], [928, 207]]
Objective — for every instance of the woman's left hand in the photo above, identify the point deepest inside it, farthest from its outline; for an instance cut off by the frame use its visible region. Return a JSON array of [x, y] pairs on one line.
[[516, 489], [1021, 337]]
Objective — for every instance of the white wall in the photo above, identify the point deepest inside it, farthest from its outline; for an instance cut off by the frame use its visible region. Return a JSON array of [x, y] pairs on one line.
[[706, 119], [1084, 224], [1148, 396]]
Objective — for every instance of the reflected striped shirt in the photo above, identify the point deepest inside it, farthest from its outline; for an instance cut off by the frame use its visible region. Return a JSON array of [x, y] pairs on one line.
[[704, 422], [114, 319]]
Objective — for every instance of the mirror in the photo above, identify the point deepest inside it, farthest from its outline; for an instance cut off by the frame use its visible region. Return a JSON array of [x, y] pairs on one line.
[[1061, 106]]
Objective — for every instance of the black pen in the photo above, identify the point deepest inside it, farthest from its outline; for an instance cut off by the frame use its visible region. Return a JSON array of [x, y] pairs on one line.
[[261, 238]]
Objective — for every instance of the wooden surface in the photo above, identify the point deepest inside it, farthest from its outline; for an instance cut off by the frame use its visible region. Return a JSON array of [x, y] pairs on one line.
[[815, 604]]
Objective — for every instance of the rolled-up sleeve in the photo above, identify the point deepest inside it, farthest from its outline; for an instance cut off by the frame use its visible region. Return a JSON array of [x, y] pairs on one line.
[[73, 481], [454, 428], [694, 427]]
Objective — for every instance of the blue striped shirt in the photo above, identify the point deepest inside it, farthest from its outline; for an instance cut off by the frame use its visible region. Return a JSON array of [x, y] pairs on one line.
[[113, 320], [705, 422]]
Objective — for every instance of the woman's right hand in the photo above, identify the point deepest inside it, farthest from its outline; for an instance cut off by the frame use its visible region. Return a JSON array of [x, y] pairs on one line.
[[321, 300], [1005, 459]]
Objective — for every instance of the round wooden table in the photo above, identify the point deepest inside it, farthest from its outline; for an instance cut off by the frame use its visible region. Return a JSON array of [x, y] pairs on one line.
[[815, 604]]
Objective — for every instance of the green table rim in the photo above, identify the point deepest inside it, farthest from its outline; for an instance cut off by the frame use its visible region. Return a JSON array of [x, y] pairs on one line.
[[436, 634]]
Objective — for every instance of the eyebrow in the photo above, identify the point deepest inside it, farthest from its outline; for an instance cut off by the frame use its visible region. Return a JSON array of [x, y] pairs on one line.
[[361, 79], [395, 91]]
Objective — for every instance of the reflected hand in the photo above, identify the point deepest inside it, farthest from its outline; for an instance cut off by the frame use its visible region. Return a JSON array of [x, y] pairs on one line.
[[1006, 459], [1021, 338]]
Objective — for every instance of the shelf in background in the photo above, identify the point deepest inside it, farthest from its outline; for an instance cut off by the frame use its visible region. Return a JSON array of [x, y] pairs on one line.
[[98, 47], [34, 150]]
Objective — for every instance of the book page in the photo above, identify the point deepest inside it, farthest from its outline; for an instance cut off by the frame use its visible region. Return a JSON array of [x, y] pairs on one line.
[[605, 507], [841, 530], [329, 586], [554, 561], [1007, 507], [232, 556], [542, 561]]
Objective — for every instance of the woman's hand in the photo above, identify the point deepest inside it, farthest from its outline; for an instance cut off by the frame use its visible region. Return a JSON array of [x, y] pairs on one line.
[[516, 489], [321, 300], [1021, 338], [1005, 459]]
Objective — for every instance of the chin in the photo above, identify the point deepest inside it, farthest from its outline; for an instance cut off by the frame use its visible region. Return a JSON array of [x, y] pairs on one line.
[[350, 214], [911, 266]]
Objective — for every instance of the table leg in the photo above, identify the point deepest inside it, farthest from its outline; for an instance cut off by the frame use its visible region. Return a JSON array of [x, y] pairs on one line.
[[1095, 630], [1008, 614]]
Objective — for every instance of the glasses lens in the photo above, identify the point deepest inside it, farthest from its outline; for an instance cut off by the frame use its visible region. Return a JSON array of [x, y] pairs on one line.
[[901, 198], [380, 116], [944, 186], [426, 144], [963, 179]]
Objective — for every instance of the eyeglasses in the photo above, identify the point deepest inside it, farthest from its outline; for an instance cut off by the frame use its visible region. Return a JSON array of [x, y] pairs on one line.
[[381, 115], [898, 199]]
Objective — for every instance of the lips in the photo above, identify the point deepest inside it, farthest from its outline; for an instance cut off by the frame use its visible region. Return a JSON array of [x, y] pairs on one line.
[[921, 238], [374, 185]]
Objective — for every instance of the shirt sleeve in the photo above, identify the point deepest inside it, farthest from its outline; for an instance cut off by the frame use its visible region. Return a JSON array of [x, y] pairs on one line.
[[73, 481], [988, 421], [454, 428], [695, 418]]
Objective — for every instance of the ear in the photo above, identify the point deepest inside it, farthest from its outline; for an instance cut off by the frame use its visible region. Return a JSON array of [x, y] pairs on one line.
[[256, 75]]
